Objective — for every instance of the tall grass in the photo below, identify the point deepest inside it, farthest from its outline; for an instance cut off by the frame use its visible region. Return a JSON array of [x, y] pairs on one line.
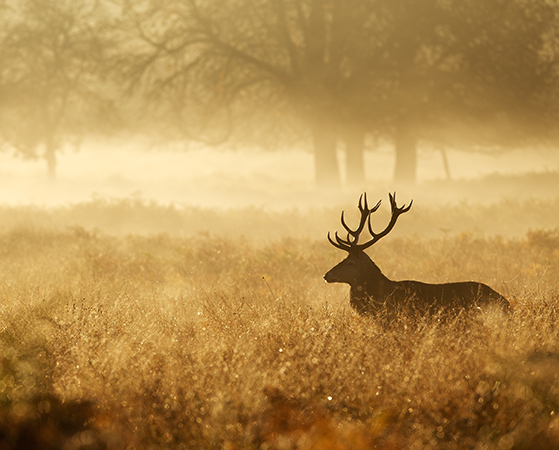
[[208, 341]]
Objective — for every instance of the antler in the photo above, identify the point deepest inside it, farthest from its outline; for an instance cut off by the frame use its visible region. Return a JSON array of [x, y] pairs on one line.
[[351, 243]]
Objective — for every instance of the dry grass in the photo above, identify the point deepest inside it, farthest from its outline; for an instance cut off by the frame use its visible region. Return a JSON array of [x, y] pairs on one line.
[[156, 342]]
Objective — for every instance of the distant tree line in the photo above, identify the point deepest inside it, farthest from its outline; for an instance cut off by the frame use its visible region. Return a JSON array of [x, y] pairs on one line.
[[465, 74]]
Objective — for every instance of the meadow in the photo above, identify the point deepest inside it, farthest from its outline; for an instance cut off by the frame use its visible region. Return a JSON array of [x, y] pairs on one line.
[[128, 325]]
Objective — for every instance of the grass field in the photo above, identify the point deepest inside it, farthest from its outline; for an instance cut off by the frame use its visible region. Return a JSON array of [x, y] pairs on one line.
[[125, 325]]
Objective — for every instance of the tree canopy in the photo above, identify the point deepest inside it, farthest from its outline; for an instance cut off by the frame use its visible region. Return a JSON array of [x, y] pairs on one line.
[[53, 58], [463, 73]]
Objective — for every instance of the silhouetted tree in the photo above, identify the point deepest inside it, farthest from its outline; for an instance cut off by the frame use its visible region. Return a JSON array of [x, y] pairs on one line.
[[429, 70], [229, 63], [476, 66], [511, 72], [53, 57]]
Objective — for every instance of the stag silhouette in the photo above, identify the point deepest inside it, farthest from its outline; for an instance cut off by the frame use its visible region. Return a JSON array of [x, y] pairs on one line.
[[371, 292]]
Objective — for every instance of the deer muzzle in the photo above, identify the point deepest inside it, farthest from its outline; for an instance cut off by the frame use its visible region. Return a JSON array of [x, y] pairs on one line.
[[331, 277]]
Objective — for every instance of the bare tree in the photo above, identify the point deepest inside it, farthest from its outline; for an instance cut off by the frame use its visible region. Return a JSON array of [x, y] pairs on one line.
[[275, 65], [469, 72], [53, 59], [262, 71]]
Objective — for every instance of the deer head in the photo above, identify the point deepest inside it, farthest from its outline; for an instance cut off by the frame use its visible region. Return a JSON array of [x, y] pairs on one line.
[[357, 268]]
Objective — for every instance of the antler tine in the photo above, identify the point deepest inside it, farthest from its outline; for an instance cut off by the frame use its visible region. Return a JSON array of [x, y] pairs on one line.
[[365, 213], [395, 214], [346, 242], [377, 206], [362, 207], [365, 207], [394, 206], [340, 243]]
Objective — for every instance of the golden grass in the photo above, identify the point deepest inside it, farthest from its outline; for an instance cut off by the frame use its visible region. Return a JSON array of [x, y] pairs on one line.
[[204, 341]]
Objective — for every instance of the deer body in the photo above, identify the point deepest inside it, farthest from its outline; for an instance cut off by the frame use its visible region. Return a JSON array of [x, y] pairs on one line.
[[373, 292]]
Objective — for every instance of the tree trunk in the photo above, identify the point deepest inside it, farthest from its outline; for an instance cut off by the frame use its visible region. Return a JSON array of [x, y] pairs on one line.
[[445, 164], [405, 145], [327, 174], [50, 156], [355, 157]]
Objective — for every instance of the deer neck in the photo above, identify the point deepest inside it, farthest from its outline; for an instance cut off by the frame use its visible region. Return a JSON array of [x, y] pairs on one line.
[[370, 286]]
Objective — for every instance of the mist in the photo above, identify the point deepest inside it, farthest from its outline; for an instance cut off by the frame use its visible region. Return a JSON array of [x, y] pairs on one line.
[[278, 107], [225, 179]]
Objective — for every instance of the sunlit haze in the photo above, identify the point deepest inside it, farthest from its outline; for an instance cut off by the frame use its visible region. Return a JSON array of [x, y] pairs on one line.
[[233, 178]]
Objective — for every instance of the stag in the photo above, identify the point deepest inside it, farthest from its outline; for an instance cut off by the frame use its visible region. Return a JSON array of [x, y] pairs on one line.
[[372, 293]]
